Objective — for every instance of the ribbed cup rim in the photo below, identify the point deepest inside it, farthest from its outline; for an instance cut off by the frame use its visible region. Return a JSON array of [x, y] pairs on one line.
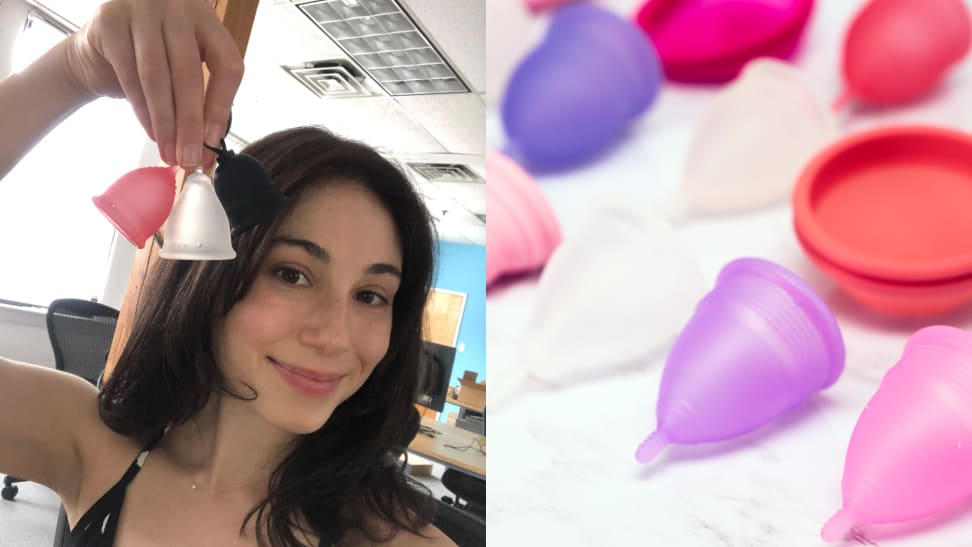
[[820, 315]]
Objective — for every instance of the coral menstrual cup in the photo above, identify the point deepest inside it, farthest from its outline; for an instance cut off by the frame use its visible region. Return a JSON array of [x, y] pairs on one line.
[[760, 343], [910, 455], [899, 50], [138, 203]]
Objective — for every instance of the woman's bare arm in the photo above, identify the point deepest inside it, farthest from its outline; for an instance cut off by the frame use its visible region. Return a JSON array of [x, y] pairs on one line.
[[149, 51], [32, 103], [44, 414]]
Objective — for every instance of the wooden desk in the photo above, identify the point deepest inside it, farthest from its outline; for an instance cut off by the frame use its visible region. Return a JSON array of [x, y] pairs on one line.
[[470, 461], [451, 399]]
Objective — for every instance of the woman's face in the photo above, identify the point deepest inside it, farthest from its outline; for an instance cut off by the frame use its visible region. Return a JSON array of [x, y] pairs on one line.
[[318, 317]]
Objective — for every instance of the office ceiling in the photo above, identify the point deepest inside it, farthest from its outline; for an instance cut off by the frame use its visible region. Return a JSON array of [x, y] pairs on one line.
[[444, 129]]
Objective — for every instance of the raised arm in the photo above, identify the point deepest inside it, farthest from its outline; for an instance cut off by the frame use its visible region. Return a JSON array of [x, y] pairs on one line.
[[148, 51], [43, 415]]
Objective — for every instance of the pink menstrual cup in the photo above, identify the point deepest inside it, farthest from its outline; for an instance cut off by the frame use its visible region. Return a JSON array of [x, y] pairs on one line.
[[709, 41], [910, 455], [758, 344], [537, 6], [522, 230], [138, 203], [898, 50]]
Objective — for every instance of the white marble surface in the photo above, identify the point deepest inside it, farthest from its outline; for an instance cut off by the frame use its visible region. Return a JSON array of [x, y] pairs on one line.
[[562, 468]]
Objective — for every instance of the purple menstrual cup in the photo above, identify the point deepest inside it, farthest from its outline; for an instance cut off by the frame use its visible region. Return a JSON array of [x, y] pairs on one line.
[[573, 95], [758, 344]]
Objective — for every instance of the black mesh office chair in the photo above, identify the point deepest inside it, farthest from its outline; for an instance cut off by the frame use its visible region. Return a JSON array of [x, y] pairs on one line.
[[470, 492], [464, 528]]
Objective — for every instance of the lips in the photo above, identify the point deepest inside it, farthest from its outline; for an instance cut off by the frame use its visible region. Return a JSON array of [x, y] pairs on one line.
[[307, 382]]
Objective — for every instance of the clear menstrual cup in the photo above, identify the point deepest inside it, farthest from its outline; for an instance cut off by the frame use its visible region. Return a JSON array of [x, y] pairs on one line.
[[752, 143], [573, 96], [523, 230], [910, 454], [580, 327], [759, 343], [197, 228]]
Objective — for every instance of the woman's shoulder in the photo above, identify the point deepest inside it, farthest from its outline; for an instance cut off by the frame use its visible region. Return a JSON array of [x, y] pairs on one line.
[[104, 455]]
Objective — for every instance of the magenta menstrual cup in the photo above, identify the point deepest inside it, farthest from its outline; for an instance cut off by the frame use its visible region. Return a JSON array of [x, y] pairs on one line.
[[759, 343], [910, 454]]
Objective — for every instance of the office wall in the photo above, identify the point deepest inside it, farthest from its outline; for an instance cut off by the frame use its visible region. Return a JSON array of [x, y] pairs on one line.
[[23, 335], [462, 268]]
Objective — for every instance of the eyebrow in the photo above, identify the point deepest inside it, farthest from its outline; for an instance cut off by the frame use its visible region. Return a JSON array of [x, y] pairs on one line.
[[322, 255]]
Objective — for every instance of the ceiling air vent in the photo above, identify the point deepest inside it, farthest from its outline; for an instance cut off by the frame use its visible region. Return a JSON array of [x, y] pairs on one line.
[[331, 79], [446, 172], [384, 40]]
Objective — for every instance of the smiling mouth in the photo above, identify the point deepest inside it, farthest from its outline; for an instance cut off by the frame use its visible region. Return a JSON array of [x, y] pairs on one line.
[[307, 382]]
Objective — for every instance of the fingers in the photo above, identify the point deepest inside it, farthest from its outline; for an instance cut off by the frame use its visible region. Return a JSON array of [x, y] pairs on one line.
[[121, 55], [225, 64], [185, 66], [156, 51], [156, 84]]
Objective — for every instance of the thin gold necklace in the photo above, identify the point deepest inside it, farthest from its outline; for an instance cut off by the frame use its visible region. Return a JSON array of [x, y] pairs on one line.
[[192, 478]]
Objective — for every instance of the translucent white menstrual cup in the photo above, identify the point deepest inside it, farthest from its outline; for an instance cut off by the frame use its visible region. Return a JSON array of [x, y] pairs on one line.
[[579, 327], [197, 228], [751, 144]]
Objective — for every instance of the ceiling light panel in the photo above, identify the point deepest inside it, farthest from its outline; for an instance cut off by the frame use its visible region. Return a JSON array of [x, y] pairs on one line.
[[385, 42]]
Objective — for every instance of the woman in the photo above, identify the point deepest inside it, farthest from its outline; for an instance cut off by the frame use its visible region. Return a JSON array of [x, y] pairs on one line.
[[257, 399]]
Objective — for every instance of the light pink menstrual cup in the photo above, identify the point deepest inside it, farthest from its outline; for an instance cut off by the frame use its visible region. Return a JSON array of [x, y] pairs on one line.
[[759, 343], [537, 6], [522, 230], [910, 455]]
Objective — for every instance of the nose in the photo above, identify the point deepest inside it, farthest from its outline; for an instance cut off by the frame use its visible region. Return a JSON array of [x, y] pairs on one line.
[[326, 326]]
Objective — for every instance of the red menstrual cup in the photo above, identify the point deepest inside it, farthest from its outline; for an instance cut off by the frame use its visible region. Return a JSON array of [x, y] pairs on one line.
[[138, 203], [899, 50]]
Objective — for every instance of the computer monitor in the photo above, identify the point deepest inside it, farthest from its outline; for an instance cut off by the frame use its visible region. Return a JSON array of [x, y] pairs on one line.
[[435, 371]]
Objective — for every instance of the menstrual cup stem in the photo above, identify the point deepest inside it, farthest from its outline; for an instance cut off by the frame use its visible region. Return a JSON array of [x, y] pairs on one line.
[[651, 447], [837, 526]]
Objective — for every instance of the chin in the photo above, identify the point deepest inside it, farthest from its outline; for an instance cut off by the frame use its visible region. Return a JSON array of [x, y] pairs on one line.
[[303, 422]]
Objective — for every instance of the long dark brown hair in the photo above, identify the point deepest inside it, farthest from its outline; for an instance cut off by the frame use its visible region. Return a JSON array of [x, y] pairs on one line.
[[339, 478]]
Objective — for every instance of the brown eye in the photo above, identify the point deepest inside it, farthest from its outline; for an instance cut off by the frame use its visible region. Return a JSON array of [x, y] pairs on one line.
[[371, 298], [291, 276]]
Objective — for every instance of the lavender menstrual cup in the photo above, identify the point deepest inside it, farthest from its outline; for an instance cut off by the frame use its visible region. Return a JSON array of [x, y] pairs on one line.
[[574, 94], [758, 344]]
